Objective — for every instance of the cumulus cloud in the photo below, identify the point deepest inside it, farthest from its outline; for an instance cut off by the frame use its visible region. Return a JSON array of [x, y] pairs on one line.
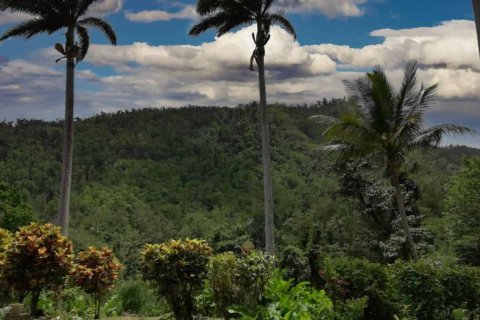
[[100, 8], [187, 13], [216, 73], [106, 7], [451, 44], [330, 8], [7, 17]]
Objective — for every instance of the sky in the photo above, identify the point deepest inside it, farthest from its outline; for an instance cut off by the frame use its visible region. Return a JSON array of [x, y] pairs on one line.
[[157, 64]]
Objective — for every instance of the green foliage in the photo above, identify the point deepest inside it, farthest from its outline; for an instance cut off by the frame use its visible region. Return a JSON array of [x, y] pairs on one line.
[[177, 270], [39, 258], [138, 298], [222, 276], [286, 301], [347, 279], [66, 304], [289, 302], [239, 279], [5, 240], [14, 209], [295, 264], [434, 291], [463, 211]]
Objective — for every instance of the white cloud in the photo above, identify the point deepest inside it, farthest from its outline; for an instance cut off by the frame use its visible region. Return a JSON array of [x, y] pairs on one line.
[[7, 17], [187, 13], [216, 73], [100, 8], [451, 44], [330, 8], [106, 7]]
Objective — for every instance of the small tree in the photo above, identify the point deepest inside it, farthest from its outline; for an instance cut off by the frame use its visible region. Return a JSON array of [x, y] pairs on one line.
[[96, 271], [177, 270], [39, 258]]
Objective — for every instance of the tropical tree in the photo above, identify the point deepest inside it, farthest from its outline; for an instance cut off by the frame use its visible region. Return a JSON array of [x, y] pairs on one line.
[[224, 16], [49, 16], [388, 125]]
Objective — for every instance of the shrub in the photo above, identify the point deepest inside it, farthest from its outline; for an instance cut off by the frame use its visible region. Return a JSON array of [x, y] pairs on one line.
[[252, 272], [96, 271], [434, 291], [39, 258], [177, 270], [295, 264], [239, 279], [222, 282], [5, 241], [347, 278]]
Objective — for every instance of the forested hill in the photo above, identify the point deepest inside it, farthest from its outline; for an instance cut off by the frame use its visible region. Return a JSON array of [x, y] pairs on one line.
[[150, 175]]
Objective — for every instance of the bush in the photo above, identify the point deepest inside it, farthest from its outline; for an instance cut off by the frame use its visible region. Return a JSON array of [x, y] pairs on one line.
[[222, 282], [5, 241], [239, 279], [346, 279], [177, 270], [39, 258], [96, 271], [434, 291], [295, 264]]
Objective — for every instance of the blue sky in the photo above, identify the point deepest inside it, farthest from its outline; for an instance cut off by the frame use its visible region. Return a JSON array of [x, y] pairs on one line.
[[157, 64]]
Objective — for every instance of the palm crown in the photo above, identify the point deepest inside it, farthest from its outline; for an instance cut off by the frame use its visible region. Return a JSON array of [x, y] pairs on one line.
[[225, 15], [388, 123], [49, 16]]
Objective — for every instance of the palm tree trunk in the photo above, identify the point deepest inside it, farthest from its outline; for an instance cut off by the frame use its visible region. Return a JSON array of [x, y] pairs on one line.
[[476, 11], [65, 185], [403, 215], [267, 171]]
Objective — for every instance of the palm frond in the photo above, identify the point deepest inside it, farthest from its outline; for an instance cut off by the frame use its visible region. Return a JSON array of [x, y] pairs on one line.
[[32, 27], [432, 136], [205, 7], [407, 97], [428, 96], [35, 8], [280, 20], [383, 96], [102, 26], [84, 42], [210, 22], [234, 23]]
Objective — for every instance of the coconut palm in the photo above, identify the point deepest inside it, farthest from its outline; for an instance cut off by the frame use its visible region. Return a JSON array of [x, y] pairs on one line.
[[49, 16], [388, 125], [476, 12], [224, 16]]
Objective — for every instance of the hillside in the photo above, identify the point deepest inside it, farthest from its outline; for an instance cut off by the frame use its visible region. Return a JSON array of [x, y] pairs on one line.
[[151, 175]]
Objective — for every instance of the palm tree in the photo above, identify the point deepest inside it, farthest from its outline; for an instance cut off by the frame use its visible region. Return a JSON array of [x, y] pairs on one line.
[[388, 125], [49, 16], [224, 16], [476, 12]]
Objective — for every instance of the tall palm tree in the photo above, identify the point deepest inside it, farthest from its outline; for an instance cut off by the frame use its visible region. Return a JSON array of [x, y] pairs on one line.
[[224, 16], [388, 125], [49, 16], [476, 12]]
